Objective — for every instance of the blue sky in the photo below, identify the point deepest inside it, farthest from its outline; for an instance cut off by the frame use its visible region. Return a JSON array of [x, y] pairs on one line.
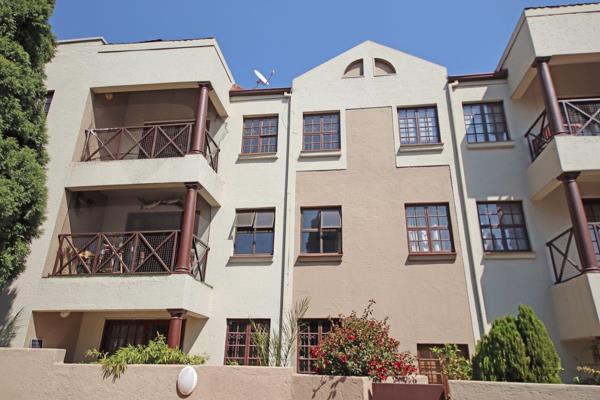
[[294, 36]]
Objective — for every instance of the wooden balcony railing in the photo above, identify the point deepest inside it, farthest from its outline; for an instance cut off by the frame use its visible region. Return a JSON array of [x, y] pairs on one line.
[[581, 118], [146, 141], [563, 253], [125, 253]]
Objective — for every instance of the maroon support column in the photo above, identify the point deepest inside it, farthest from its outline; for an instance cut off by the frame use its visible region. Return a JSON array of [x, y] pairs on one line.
[[553, 114], [581, 232], [187, 228], [198, 138], [175, 324]]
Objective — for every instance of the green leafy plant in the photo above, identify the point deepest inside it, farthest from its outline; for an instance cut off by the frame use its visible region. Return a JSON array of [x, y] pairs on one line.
[[454, 364], [362, 346], [276, 348], [155, 352], [500, 355], [587, 375], [544, 362], [26, 45]]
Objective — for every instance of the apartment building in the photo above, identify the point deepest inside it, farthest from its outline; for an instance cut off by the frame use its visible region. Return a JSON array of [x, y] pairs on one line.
[[183, 204]]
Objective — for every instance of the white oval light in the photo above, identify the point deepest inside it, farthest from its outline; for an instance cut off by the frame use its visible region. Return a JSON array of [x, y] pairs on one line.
[[187, 380]]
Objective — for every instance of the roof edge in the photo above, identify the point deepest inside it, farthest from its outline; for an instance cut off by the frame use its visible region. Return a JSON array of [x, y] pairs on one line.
[[484, 76], [259, 92], [82, 40]]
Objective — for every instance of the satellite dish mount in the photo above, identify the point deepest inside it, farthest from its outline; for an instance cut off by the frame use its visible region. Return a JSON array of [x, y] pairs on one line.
[[261, 80]]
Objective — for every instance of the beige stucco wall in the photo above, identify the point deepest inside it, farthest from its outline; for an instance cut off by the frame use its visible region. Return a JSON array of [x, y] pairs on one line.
[[427, 301], [40, 374], [471, 390]]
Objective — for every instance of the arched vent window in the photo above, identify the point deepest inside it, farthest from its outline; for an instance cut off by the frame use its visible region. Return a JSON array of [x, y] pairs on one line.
[[383, 67], [354, 70]]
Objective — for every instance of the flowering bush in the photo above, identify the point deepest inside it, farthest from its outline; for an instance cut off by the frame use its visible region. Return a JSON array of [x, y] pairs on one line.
[[361, 346]]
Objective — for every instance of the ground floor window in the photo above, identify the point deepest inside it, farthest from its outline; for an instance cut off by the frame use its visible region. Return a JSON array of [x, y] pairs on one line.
[[122, 332], [310, 333], [239, 347], [429, 365]]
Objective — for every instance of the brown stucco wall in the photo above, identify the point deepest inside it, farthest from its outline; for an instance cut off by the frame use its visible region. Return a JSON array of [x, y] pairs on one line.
[[470, 390], [426, 301]]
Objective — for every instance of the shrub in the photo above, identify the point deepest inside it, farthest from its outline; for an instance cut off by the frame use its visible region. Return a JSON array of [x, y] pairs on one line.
[[589, 376], [361, 346], [544, 363], [155, 352], [454, 364], [500, 355]]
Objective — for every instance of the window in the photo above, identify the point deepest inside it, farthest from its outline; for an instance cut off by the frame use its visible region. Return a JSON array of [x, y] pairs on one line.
[[321, 231], [321, 132], [383, 67], [354, 69], [429, 364], [120, 333], [485, 122], [503, 226], [259, 135], [418, 125], [592, 212], [239, 349], [311, 332], [254, 232], [48, 101], [428, 228]]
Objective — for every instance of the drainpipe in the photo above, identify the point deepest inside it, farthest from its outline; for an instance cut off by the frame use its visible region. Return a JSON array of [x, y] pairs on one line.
[[478, 295], [285, 219]]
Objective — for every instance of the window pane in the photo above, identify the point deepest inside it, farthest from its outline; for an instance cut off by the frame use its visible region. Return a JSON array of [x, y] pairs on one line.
[[331, 219], [310, 219], [264, 219], [244, 219], [503, 226], [243, 242], [310, 242], [264, 242], [332, 242]]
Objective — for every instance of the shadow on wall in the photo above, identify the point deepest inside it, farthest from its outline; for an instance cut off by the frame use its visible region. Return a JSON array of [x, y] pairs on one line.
[[9, 321], [331, 383]]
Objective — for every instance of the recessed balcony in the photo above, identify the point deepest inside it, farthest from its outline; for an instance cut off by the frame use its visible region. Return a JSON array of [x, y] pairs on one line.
[[577, 150]]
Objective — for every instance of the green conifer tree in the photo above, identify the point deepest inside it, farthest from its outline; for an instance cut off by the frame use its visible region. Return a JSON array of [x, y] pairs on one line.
[[544, 363], [26, 45], [500, 355]]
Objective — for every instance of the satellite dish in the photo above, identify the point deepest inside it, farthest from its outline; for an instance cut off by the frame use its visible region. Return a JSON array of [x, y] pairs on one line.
[[261, 80]]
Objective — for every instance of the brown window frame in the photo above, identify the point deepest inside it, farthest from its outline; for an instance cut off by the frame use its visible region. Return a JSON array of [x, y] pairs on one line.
[[429, 229], [429, 365], [321, 133], [309, 361], [502, 226], [254, 230], [261, 135], [485, 122], [418, 127], [320, 229], [247, 345], [143, 338]]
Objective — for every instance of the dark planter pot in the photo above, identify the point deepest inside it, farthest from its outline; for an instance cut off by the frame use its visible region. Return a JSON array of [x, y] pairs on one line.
[[399, 391]]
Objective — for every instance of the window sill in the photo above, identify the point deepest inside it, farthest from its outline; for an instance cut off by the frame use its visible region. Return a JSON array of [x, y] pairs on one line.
[[251, 258], [409, 148], [491, 145], [321, 154], [332, 257], [431, 256], [509, 255], [257, 156]]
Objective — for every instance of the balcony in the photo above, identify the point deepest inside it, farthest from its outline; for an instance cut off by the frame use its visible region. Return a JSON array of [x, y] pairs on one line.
[[126, 253], [581, 117], [144, 142], [577, 151], [564, 257]]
